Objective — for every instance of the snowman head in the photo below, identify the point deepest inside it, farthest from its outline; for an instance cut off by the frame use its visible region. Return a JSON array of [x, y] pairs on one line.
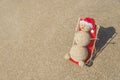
[[85, 26]]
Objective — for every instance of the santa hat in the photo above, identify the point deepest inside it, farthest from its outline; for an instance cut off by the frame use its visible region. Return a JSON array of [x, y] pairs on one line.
[[89, 22]]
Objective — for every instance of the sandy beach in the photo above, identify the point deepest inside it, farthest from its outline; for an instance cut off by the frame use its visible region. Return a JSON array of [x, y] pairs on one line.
[[36, 34]]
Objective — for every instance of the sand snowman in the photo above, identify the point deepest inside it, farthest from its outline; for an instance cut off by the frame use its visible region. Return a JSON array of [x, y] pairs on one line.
[[78, 51]]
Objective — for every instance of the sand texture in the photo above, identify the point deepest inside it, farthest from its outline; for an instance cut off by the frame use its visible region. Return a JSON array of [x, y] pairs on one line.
[[36, 34]]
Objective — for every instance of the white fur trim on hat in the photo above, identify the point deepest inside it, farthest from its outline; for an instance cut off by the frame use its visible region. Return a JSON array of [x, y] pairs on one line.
[[86, 23]]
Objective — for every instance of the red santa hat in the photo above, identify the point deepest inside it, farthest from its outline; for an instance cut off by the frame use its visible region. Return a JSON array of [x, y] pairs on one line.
[[89, 22]]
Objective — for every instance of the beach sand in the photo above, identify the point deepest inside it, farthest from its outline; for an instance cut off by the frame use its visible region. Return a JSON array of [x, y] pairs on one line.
[[36, 34]]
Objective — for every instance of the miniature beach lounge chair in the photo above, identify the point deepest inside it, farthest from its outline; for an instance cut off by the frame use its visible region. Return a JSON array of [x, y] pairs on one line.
[[91, 46]]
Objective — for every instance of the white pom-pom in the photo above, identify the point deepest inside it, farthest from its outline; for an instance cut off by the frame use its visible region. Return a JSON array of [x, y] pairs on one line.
[[92, 31]]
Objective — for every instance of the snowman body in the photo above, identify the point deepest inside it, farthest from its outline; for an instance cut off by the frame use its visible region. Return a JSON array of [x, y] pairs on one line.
[[78, 51]]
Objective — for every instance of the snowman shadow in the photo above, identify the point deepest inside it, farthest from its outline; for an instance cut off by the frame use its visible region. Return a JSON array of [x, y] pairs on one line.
[[105, 35]]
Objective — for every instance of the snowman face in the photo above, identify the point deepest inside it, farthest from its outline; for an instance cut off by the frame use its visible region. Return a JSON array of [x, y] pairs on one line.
[[84, 27]]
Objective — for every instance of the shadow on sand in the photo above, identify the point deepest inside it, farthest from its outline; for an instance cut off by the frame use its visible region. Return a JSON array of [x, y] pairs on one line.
[[105, 35]]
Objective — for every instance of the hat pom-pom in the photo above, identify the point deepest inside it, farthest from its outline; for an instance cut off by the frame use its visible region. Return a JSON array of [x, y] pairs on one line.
[[92, 31]]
